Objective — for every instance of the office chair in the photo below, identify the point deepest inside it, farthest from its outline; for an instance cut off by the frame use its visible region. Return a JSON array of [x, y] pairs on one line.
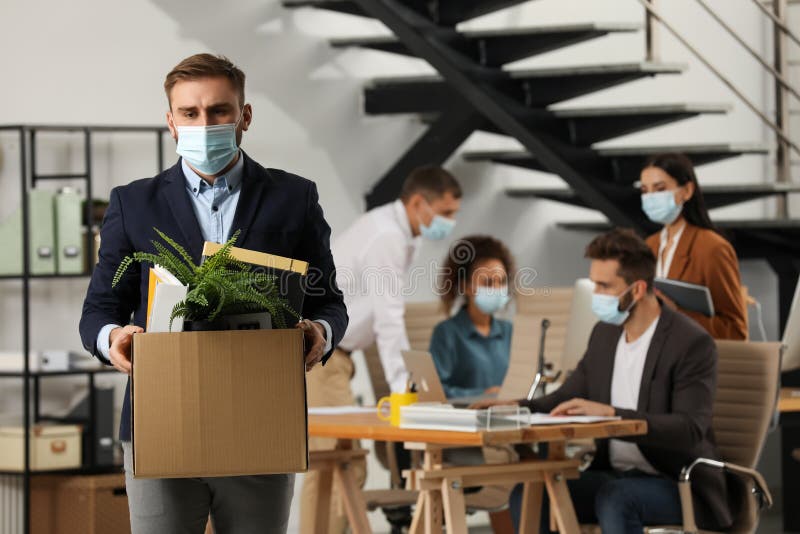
[[747, 393]]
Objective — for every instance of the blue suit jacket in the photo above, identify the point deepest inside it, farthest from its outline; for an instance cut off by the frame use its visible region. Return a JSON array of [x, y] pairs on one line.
[[278, 213]]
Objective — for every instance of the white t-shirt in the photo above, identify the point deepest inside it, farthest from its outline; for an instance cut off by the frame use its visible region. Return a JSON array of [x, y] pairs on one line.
[[625, 384]]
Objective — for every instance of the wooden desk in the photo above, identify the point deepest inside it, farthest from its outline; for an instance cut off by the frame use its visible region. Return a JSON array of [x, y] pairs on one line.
[[789, 400], [441, 487]]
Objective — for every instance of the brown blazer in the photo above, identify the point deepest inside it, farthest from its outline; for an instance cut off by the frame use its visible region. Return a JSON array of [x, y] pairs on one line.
[[675, 398], [706, 258]]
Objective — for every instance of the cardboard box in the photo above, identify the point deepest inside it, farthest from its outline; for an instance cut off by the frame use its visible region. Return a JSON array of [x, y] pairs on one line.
[[95, 504], [221, 403], [51, 446]]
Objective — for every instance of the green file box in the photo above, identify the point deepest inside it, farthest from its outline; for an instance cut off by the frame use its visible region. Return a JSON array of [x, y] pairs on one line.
[[42, 232], [69, 240], [11, 241]]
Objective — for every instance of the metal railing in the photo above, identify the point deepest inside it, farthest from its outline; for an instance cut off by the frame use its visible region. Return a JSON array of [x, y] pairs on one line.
[[779, 70]]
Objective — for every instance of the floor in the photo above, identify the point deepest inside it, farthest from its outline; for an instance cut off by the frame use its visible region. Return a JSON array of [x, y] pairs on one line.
[[770, 523]]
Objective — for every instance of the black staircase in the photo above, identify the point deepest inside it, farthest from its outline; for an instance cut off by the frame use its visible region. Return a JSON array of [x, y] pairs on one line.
[[473, 91]]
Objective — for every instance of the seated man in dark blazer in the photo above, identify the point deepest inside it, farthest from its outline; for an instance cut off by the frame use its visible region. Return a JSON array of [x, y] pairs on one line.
[[213, 190], [643, 361]]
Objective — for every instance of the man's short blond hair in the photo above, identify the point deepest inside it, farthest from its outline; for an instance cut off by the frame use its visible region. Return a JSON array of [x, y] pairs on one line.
[[205, 66]]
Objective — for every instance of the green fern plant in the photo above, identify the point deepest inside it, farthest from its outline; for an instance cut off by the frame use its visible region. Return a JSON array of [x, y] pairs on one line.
[[221, 285]]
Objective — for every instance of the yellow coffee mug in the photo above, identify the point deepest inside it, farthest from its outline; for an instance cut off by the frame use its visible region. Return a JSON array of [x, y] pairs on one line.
[[395, 400]]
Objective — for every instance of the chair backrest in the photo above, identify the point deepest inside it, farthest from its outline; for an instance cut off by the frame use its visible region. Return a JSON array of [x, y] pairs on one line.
[[421, 318], [748, 376], [552, 304]]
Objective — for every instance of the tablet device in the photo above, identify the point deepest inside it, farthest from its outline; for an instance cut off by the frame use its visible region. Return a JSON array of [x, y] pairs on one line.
[[692, 297]]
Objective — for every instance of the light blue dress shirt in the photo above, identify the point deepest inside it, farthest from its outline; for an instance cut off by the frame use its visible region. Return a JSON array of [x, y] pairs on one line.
[[214, 206], [468, 362]]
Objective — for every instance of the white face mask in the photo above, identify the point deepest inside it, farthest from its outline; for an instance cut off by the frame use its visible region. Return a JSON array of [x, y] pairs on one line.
[[440, 227], [208, 148]]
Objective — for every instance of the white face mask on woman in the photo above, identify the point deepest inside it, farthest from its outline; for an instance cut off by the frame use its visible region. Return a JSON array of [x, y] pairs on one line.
[[660, 207]]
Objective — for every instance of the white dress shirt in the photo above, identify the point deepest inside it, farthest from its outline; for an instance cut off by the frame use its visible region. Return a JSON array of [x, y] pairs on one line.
[[665, 255], [625, 384], [372, 260]]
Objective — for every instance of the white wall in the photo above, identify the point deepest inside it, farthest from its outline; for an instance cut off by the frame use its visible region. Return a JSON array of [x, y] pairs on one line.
[[103, 62]]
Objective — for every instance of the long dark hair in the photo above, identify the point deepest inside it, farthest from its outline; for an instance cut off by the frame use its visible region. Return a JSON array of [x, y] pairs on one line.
[[680, 168]]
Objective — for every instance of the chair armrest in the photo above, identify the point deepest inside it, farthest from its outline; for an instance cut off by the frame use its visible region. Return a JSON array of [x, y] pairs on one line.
[[685, 489], [745, 472]]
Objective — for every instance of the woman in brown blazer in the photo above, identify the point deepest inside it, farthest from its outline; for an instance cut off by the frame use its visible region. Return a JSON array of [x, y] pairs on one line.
[[688, 248]]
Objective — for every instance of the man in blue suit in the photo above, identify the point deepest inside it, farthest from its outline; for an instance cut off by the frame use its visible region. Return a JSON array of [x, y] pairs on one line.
[[213, 190]]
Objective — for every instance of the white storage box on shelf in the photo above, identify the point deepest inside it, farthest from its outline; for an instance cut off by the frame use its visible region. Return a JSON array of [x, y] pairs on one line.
[[51, 446]]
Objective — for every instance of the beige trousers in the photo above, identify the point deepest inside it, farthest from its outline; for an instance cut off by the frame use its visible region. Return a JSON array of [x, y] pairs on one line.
[[328, 386]]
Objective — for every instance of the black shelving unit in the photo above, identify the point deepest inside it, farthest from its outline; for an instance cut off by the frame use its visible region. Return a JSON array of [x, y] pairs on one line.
[[29, 176]]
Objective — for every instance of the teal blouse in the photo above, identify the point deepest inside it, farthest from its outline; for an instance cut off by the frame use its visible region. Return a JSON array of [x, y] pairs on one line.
[[467, 361]]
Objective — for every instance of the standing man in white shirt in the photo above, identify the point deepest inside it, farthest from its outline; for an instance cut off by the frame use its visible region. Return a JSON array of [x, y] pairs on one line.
[[373, 257]]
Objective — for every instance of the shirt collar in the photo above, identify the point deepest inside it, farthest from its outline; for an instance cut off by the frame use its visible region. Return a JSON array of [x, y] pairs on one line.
[[665, 235], [462, 317], [232, 178], [402, 219]]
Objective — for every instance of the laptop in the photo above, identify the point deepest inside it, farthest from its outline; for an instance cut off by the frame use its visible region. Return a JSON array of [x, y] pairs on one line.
[[422, 372]]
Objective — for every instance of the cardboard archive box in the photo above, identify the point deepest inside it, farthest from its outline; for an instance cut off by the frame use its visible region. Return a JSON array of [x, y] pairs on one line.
[[90, 504], [221, 403]]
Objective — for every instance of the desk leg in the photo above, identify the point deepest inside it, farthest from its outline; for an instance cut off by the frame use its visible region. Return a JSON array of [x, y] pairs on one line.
[[353, 500], [417, 522], [322, 512], [561, 508], [555, 451], [455, 511], [531, 516], [428, 512]]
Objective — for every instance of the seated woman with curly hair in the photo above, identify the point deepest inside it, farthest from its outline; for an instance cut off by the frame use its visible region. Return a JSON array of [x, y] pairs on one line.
[[471, 349]]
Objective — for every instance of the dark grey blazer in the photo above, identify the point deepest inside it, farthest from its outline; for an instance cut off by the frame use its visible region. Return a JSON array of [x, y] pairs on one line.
[[676, 397]]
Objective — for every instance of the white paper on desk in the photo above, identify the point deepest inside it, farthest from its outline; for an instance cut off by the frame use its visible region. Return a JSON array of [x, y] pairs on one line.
[[547, 419], [339, 410]]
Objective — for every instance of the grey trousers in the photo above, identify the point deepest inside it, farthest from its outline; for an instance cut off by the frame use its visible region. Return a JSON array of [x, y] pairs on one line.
[[238, 505]]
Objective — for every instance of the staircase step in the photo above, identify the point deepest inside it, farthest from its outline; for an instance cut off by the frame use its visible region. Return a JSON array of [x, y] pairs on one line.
[[349, 7], [451, 12], [442, 12], [531, 87], [494, 48], [752, 238], [715, 196], [586, 126], [622, 165]]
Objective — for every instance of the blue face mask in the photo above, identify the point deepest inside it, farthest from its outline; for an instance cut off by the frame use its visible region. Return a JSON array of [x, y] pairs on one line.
[[208, 148], [490, 300], [439, 229], [606, 308], [660, 207]]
